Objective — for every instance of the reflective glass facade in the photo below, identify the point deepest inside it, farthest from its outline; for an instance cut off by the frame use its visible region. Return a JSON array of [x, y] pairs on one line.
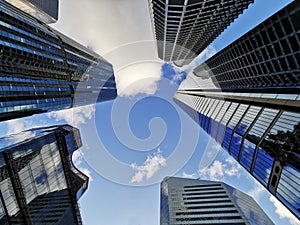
[[43, 70], [184, 28], [192, 201], [267, 56], [38, 182], [264, 140]]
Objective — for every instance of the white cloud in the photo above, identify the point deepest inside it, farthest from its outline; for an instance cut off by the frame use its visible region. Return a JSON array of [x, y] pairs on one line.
[[218, 169], [233, 168], [150, 167], [187, 175], [214, 171], [16, 126], [257, 192], [138, 78], [125, 41], [74, 116], [77, 157], [283, 212]]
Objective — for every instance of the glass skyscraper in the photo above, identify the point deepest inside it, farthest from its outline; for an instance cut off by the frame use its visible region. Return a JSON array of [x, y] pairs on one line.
[[268, 56], [184, 28], [254, 110], [261, 131], [191, 201], [43, 70], [39, 184]]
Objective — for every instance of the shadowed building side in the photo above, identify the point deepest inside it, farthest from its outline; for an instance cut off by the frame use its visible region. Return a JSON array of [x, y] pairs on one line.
[[39, 183], [192, 201], [184, 28], [268, 56], [43, 70]]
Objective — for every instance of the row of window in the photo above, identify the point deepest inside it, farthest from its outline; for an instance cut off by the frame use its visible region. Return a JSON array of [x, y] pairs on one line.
[[42, 104], [271, 47], [11, 27], [35, 52], [257, 137]]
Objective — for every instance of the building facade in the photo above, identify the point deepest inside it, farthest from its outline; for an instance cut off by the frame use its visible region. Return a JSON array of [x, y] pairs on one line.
[[268, 56], [184, 28], [39, 184], [259, 130], [192, 201], [44, 10], [43, 70]]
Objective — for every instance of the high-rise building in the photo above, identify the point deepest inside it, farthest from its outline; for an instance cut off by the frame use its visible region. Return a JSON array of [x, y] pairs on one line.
[[260, 130], [184, 28], [253, 111], [39, 184], [268, 56], [43, 70], [191, 201], [44, 10]]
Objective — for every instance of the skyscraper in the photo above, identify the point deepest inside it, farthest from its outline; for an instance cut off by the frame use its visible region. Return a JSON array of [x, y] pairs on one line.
[[259, 130], [268, 56], [254, 114], [44, 10], [192, 201], [184, 28], [43, 70], [38, 182]]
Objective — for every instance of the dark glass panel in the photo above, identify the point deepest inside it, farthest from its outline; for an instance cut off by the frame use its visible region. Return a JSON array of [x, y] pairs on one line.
[[235, 146], [263, 166], [247, 154]]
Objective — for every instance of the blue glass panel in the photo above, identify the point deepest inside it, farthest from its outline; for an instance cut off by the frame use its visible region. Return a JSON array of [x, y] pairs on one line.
[[79, 193], [288, 190], [227, 138], [242, 128], [41, 179], [70, 143], [247, 154], [235, 146], [263, 166], [200, 118], [208, 125], [203, 121]]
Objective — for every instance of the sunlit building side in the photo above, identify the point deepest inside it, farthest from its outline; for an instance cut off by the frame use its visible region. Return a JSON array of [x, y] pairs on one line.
[[44, 10], [254, 110], [192, 201], [260, 131]]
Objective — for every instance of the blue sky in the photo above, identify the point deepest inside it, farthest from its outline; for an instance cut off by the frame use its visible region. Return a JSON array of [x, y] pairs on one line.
[[131, 143]]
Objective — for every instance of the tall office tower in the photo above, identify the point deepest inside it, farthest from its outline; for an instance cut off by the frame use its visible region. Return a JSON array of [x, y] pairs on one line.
[[191, 201], [44, 10], [261, 131], [184, 28], [38, 182], [268, 56], [43, 70]]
